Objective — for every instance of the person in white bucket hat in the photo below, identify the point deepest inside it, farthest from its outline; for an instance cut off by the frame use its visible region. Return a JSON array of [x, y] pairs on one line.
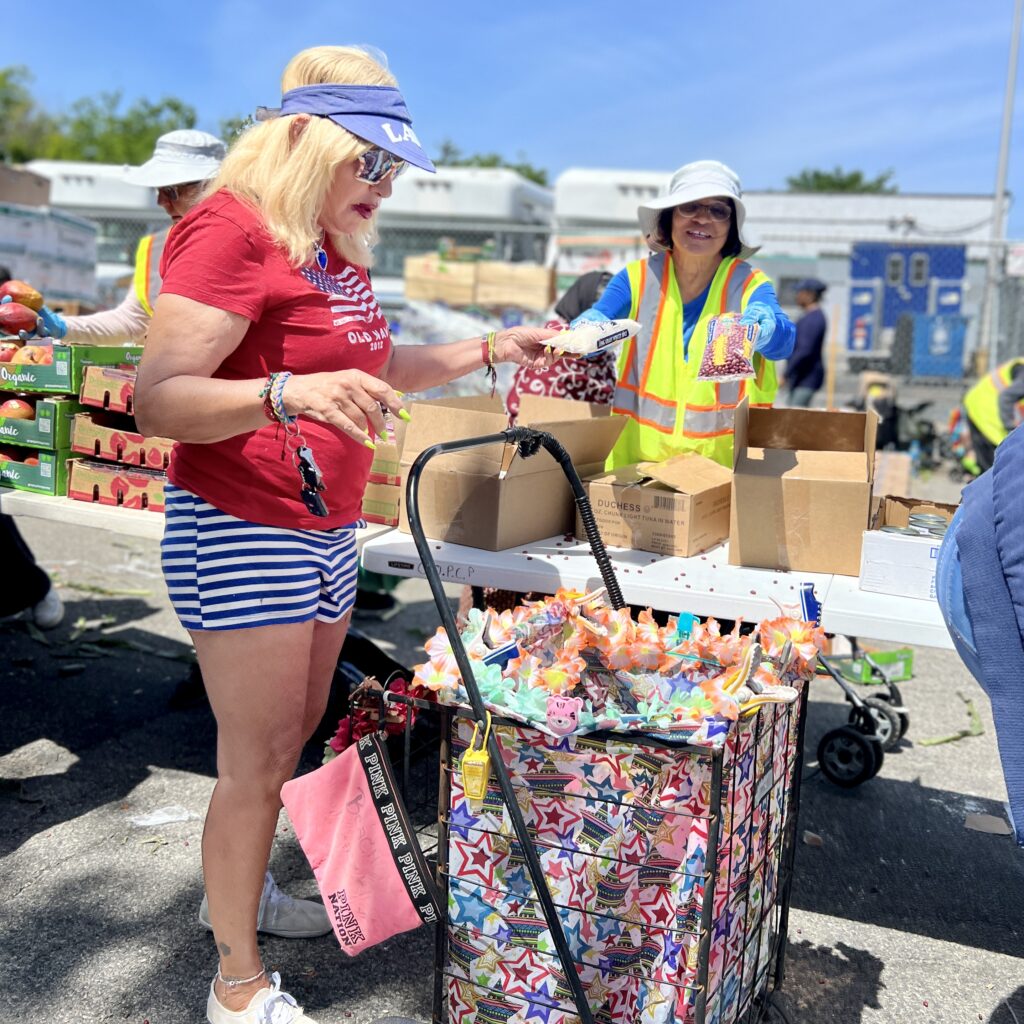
[[697, 270], [182, 163]]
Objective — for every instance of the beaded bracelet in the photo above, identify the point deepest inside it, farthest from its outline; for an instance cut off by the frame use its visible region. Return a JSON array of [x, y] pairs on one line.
[[268, 409], [487, 354], [277, 398]]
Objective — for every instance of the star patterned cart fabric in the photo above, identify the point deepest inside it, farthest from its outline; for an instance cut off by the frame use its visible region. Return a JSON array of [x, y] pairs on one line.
[[665, 837]]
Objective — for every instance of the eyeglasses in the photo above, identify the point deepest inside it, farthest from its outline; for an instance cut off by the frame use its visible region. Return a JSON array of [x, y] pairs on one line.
[[377, 165], [172, 193], [716, 211]]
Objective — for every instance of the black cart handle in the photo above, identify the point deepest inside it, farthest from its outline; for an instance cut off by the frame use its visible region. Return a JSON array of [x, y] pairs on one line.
[[529, 442]]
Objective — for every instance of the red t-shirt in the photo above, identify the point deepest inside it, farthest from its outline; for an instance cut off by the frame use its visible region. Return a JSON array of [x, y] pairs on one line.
[[305, 321]]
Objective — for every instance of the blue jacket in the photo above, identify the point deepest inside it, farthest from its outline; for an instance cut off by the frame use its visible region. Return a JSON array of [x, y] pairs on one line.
[[990, 541]]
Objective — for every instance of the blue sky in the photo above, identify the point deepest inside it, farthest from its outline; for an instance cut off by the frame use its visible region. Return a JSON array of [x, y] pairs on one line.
[[767, 87]]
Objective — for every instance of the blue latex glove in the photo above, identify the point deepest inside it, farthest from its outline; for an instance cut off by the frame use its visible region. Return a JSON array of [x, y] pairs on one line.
[[763, 315], [591, 316], [50, 324]]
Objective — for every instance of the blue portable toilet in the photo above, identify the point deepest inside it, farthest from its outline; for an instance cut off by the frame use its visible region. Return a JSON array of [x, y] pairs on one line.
[[888, 279], [938, 345]]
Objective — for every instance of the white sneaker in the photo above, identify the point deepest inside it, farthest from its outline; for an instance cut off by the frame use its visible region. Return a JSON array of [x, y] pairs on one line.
[[50, 611], [268, 1006], [281, 914]]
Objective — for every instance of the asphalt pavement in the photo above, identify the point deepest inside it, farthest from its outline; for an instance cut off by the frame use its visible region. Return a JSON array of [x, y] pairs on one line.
[[901, 913]]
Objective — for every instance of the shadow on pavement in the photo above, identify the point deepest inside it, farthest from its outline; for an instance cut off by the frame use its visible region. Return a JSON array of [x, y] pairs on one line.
[[824, 984]]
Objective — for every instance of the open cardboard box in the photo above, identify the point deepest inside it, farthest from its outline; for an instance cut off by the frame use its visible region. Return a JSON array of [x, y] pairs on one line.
[[462, 500], [801, 490], [111, 483], [51, 427], [895, 564], [676, 507], [65, 372]]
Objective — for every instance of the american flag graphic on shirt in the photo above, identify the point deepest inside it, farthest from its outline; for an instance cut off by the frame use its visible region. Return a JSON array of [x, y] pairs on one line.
[[351, 301]]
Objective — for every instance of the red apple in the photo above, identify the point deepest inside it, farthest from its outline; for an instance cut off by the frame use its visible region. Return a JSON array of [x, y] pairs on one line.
[[38, 354], [7, 350], [23, 292], [15, 317], [17, 409], [10, 455], [30, 461]]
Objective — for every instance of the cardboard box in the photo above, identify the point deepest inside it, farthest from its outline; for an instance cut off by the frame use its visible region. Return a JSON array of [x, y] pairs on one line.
[[114, 438], [899, 565], [109, 387], [433, 279], [381, 503], [523, 285], [50, 429], [64, 375], [677, 507], [18, 185], [49, 475], [461, 498], [801, 489], [892, 473], [112, 484]]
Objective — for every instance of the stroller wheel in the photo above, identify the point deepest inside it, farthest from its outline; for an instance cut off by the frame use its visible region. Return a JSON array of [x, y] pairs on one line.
[[847, 757], [888, 723], [895, 697]]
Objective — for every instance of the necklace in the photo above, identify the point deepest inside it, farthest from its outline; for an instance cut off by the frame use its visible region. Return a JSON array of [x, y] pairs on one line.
[[319, 254]]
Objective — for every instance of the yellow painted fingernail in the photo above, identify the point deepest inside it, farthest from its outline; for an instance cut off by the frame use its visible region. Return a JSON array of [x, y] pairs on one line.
[[403, 414], [370, 444], [401, 394]]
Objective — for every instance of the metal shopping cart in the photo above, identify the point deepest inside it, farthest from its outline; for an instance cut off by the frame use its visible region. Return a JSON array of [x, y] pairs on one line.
[[608, 877]]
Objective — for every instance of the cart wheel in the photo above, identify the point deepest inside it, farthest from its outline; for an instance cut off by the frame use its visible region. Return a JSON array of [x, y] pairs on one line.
[[847, 757], [888, 723], [895, 697]]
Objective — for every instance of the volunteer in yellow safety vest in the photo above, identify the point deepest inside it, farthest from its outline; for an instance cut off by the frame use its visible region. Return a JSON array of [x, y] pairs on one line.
[[994, 407], [181, 164], [697, 270]]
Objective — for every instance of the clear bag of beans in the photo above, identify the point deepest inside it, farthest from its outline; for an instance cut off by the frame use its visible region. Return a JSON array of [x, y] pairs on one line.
[[729, 352]]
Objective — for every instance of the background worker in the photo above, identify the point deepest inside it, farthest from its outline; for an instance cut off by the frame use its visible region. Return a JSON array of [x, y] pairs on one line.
[[182, 163], [698, 270], [994, 407], [805, 368]]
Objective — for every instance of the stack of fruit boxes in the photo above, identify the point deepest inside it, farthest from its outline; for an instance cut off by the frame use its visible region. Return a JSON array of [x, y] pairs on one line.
[[126, 468]]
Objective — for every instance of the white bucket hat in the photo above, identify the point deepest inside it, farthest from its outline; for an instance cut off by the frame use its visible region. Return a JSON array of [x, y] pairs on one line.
[[179, 157], [701, 179]]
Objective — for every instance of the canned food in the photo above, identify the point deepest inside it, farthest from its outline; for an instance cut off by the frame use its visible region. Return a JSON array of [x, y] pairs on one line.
[[938, 531], [903, 531], [927, 519]]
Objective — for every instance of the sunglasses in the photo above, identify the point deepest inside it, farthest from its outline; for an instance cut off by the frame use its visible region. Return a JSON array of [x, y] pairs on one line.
[[377, 165], [716, 211], [172, 193]]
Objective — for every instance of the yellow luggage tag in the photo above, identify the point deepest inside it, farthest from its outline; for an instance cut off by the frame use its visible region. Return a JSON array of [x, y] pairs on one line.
[[476, 764]]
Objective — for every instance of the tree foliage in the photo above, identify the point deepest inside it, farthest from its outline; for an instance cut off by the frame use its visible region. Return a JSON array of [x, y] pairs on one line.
[[451, 156], [98, 129], [813, 179]]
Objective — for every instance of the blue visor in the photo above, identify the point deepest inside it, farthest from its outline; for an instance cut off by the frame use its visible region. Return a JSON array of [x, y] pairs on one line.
[[375, 113]]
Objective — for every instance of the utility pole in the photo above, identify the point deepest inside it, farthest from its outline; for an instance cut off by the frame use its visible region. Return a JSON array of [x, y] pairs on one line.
[[989, 338]]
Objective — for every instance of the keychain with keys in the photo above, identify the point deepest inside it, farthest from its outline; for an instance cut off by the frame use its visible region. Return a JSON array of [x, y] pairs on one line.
[[476, 764], [309, 472]]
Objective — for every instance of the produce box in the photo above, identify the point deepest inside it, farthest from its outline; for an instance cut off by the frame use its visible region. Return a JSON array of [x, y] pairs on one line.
[[523, 285], [433, 279], [65, 372], [489, 497], [676, 507], [109, 387], [113, 437], [801, 488], [113, 484], [50, 427], [892, 563], [381, 503], [44, 472], [385, 468]]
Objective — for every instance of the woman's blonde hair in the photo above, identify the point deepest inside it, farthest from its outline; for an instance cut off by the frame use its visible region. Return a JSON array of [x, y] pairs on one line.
[[288, 182]]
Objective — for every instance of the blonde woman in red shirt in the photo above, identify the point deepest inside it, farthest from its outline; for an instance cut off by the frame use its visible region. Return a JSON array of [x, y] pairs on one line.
[[269, 361]]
